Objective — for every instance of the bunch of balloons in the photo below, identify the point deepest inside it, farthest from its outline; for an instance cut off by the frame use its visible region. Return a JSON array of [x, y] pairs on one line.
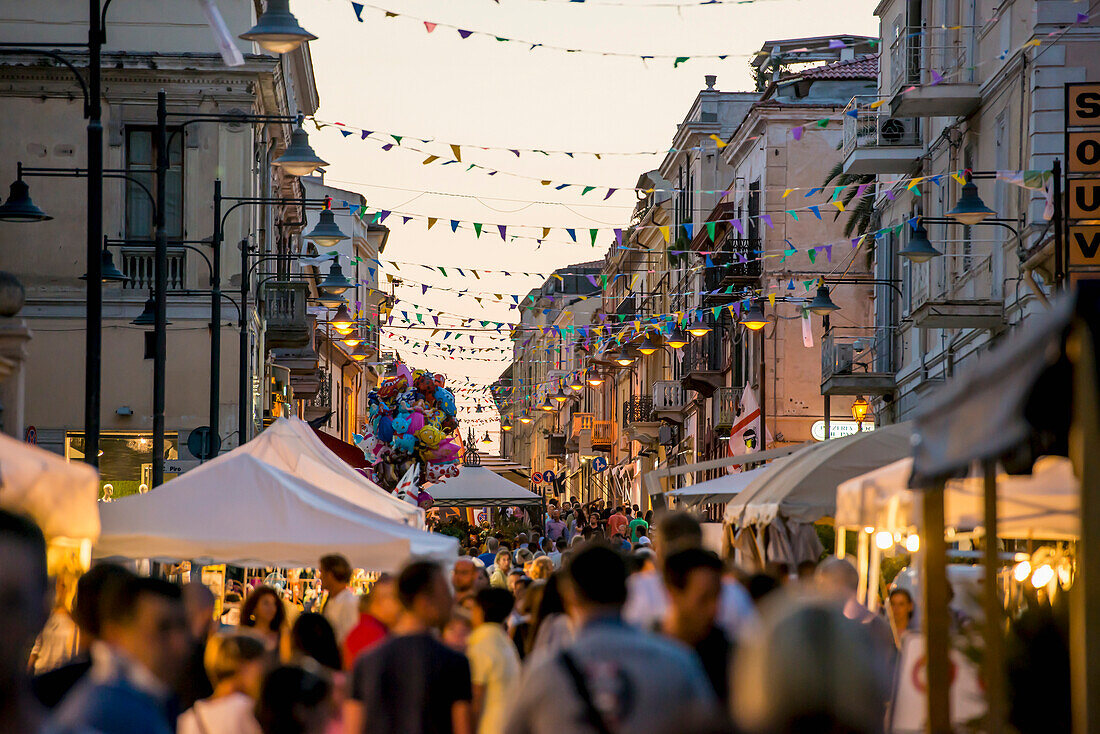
[[411, 416]]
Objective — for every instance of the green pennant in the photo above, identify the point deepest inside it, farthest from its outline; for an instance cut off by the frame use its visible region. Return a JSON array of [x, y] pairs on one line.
[[587, 189], [710, 230], [812, 254], [420, 318], [679, 60], [442, 270], [397, 138], [715, 311], [793, 213], [822, 122], [477, 228], [622, 317], [593, 232], [603, 284]]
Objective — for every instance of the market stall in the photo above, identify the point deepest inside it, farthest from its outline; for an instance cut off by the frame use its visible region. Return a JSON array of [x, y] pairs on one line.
[[291, 445], [477, 486], [246, 512], [778, 508], [720, 490], [60, 496]]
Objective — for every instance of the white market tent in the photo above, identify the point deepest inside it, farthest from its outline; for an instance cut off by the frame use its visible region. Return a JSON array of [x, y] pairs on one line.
[[1043, 504], [803, 488], [246, 512], [722, 489], [476, 486], [290, 444], [59, 495]]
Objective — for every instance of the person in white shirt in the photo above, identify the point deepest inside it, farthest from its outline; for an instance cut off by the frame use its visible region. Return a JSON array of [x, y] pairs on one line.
[[647, 598], [341, 607], [494, 662], [235, 665]]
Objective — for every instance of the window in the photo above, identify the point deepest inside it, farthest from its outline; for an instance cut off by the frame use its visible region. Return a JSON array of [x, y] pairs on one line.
[[141, 165]]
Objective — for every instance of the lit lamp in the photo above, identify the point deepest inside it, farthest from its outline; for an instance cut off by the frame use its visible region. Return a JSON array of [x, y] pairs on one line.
[[648, 346], [342, 320], [360, 353], [108, 272], [560, 396], [326, 234], [525, 419], [822, 304], [918, 249], [859, 410], [970, 208], [486, 439], [277, 30], [595, 379], [352, 338], [754, 318], [506, 426], [625, 357], [330, 300], [676, 339], [575, 384], [299, 159], [546, 404], [698, 328]]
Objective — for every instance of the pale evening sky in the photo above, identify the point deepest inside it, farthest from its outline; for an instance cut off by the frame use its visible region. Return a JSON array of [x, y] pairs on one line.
[[391, 75]]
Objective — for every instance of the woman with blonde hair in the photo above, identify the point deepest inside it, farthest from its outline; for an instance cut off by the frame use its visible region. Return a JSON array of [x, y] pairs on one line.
[[541, 568], [235, 664]]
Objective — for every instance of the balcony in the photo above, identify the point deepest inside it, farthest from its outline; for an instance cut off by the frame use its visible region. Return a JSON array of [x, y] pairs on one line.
[[320, 402], [737, 262], [724, 406], [138, 264], [639, 423], [581, 422], [848, 363], [876, 142], [932, 75], [701, 366], [288, 326], [962, 297], [668, 400], [603, 435]]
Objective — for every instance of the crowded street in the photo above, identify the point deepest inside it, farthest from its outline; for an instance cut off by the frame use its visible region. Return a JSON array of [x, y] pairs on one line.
[[550, 367]]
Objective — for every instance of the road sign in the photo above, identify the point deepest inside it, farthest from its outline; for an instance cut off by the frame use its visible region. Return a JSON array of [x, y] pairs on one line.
[[31, 435], [599, 464], [203, 443], [536, 477], [548, 476]]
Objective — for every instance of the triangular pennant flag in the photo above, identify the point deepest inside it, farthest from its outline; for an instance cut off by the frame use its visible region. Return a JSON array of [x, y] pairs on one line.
[[679, 60], [718, 141], [816, 211], [464, 34], [771, 300], [619, 237], [477, 228], [689, 229], [454, 225], [609, 193], [545, 232], [457, 152], [812, 254], [796, 132], [593, 232], [838, 204], [822, 122], [430, 159], [710, 232], [429, 26], [664, 232], [572, 234], [503, 232], [358, 8], [587, 189], [345, 133], [432, 221]]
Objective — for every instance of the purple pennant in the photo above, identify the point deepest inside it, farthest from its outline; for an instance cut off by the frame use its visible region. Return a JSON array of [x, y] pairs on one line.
[[936, 78], [406, 220], [464, 34], [855, 242], [592, 279], [436, 320], [862, 189], [619, 237], [387, 146], [796, 132], [365, 134], [516, 152], [1082, 17], [738, 226], [767, 219], [423, 289], [828, 252], [382, 215], [503, 231], [890, 194], [836, 43], [609, 193]]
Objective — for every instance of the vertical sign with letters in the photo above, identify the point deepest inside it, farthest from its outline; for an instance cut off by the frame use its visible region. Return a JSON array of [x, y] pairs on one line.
[[1083, 180]]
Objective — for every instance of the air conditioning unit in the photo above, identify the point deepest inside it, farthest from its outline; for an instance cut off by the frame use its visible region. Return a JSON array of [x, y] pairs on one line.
[[843, 359], [898, 131]]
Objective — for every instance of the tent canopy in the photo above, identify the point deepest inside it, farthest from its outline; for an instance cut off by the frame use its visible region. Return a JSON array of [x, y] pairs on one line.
[[803, 488], [59, 495], [246, 512], [1044, 504], [291, 445], [722, 489], [476, 486]]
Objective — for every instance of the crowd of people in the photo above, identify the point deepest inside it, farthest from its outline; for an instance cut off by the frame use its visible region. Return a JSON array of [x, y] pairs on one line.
[[601, 633]]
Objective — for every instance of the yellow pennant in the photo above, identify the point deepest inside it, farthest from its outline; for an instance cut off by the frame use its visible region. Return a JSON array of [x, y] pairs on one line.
[[430, 159], [838, 204], [545, 232], [960, 179], [771, 299], [457, 152], [876, 105], [432, 221], [664, 232], [785, 193], [915, 181], [719, 142]]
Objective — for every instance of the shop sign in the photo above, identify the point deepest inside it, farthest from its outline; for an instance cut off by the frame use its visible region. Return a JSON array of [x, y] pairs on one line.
[[31, 435], [1082, 180], [838, 429]]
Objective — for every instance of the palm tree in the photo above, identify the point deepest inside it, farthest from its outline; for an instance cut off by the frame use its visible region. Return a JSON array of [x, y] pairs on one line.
[[859, 219]]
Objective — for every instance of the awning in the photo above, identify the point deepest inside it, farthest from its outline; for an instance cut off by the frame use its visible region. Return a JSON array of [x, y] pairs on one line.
[[249, 513], [1014, 405], [59, 495], [476, 486], [723, 489], [353, 455], [1043, 504], [803, 488]]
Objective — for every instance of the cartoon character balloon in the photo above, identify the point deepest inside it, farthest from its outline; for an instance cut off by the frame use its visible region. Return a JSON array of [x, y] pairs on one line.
[[410, 420]]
